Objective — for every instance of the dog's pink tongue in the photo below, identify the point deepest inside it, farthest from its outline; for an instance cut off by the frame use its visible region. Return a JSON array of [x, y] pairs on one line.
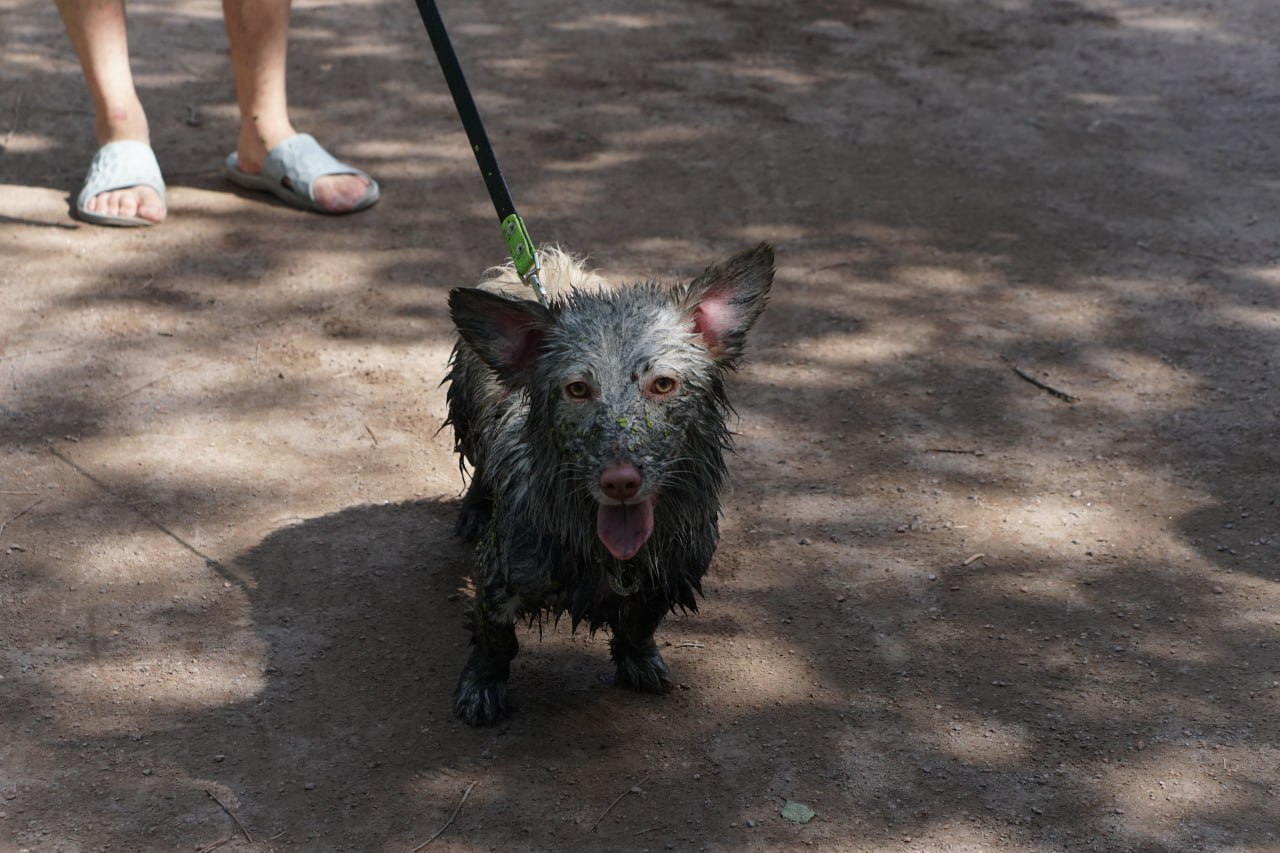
[[625, 528]]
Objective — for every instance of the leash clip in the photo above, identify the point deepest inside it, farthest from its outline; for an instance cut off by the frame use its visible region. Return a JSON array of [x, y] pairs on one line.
[[523, 254], [536, 283]]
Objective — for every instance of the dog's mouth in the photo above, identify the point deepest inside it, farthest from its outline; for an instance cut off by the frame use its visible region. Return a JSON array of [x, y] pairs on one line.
[[624, 528]]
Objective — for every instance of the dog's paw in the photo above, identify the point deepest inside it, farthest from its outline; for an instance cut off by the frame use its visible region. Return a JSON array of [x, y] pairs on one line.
[[646, 673], [480, 703]]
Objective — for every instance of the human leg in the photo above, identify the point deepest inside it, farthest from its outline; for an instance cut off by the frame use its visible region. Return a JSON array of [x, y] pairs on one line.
[[258, 33], [96, 29]]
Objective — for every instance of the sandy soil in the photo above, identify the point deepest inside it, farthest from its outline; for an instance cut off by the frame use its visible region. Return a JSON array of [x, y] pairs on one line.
[[952, 610]]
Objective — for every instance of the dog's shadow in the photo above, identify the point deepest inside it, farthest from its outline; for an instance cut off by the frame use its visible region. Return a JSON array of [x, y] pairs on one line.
[[361, 617]]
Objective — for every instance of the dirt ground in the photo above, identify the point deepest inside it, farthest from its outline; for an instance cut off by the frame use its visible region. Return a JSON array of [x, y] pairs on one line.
[[952, 610]]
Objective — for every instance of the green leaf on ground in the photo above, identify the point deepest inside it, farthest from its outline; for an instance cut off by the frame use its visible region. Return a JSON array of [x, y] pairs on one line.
[[798, 812]]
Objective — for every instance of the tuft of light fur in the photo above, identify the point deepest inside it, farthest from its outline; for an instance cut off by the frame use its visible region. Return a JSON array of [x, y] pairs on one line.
[[562, 274]]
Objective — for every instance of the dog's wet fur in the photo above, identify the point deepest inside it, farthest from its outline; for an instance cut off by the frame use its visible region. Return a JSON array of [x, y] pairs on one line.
[[595, 432]]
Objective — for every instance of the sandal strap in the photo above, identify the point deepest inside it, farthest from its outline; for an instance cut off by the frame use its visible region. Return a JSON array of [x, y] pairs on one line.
[[122, 164], [301, 161]]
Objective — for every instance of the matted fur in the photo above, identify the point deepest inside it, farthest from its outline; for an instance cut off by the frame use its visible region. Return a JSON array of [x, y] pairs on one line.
[[595, 431]]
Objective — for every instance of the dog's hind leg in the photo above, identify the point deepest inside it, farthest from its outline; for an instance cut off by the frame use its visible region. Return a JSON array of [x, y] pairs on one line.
[[476, 509]]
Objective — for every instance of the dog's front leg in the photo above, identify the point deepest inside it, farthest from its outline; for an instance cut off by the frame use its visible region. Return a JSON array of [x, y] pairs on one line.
[[632, 647], [481, 696]]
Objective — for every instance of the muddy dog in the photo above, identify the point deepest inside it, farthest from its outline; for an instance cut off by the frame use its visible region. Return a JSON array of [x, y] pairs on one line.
[[595, 430]]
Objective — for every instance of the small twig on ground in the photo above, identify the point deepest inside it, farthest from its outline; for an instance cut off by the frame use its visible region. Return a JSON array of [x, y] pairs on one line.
[[4, 524], [635, 787], [230, 814], [215, 845], [691, 645], [216, 565], [439, 832], [643, 831], [1060, 394], [959, 450], [371, 435], [149, 384], [1044, 386], [973, 559], [29, 353]]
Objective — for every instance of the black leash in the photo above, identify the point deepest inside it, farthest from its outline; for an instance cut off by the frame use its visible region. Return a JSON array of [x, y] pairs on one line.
[[519, 245]]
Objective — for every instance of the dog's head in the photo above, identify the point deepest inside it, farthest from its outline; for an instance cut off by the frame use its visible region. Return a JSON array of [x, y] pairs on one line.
[[624, 385]]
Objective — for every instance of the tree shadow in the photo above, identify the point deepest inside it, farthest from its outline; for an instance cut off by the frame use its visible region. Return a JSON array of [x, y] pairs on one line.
[[916, 626]]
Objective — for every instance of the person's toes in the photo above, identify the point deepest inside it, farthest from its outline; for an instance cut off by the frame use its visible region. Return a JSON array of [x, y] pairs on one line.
[[139, 201], [150, 206], [123, 203], [339, 193]]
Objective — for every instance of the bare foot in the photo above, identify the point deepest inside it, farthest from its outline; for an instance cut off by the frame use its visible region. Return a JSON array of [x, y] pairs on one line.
[[333, 193], [142, 202], [123, 185], [339, 193]]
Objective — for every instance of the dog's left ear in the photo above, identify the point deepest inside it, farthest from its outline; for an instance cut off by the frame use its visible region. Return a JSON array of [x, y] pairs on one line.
[[725, 301], [506, 333]]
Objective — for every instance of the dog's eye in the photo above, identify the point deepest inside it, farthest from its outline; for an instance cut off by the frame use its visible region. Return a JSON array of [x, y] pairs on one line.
[[577, 390], [662, 385]]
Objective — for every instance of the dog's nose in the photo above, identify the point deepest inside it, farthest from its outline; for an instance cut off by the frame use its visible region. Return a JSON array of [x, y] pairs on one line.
[[620, 482]]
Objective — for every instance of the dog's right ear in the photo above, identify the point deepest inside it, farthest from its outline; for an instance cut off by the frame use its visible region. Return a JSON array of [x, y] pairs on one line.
[[506, 333], [725, 301]]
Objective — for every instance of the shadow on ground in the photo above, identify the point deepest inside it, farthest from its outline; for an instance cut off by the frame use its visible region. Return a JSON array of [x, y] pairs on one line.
[[952, 608]]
